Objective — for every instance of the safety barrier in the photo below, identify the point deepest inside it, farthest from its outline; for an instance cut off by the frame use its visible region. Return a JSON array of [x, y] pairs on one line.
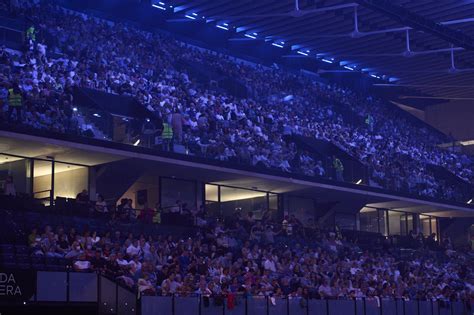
[[112, 298], [54, 286], [85, 287], [261, 305]]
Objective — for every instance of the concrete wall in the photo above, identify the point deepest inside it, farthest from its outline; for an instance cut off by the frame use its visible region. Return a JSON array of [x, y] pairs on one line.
[[19, 170], [66, 184], [455, 117], [145, 182]]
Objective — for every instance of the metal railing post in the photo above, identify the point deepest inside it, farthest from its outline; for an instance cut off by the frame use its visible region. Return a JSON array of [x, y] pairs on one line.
[[199, 304], [173, 306], [36, 286], [268, 306], [67, 287], [246, 305], [138, 303], [99, 295], [116, 298], [223, 306]]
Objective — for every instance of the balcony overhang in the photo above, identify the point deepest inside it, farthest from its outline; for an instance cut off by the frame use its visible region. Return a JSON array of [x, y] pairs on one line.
[[92, 152]]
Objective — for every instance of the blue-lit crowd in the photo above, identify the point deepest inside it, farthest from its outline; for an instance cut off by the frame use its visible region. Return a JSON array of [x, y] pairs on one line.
[[263, 258], [208, 120], [65, 50]]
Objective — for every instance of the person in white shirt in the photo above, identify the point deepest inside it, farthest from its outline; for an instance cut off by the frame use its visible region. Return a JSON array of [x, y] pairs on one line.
[[135, 263], [9, 187], [269, 264], [82, 264], [122, 262], [133, 249], [101, 205]]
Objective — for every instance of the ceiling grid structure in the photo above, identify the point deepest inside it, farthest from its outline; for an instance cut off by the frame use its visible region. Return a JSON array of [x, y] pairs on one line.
[[330, 33]]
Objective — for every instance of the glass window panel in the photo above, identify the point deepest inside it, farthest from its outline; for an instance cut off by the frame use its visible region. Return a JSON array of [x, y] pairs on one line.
[[403, 224], [51, 286], [383, 222], [369, 220], [425, 225], [82, 287], [18, 169], [297, 306], [126, 302], [273, 201], [341, 307], [42, 180], [152, 305], [69, 180], [410, 223], [173, 190], [186, 305], [200, 187], [108, 299], [243, 201], [257, 305], [434, 227], [273, 214], [212, 192], [302, 208], [397, 223], [345, 221], [213, 209]]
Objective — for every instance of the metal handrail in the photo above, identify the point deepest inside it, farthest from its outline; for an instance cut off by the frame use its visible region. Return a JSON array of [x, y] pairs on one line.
[[41, 191]]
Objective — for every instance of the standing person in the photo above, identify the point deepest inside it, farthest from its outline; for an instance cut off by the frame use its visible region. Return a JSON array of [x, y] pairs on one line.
[[31, 33], [149, 131], [15, 102], [101, 206], [159, 129], [83, 197], [9, 187], [370, 122], [31, 36], [177, 122], [146, 214], [83, 201], [3, 99], [339, 168], [167, 137]]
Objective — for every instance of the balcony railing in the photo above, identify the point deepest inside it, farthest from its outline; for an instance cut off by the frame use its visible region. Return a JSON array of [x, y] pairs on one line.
[[113, 298], [264, 305]]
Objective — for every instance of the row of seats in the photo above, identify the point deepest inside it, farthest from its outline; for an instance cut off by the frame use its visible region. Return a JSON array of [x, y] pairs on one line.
[[26, 261]]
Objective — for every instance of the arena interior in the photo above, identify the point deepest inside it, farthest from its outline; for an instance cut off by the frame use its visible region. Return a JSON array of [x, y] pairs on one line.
[[237, 157]]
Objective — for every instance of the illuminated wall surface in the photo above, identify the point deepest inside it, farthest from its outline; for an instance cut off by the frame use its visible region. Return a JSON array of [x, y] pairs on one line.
[[234, 199], [69, 179]]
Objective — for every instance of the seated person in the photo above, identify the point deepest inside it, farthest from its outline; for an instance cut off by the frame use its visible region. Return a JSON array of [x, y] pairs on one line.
[[101, 205]]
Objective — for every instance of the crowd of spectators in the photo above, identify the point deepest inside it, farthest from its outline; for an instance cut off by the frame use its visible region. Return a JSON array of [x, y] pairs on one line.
[[263, 258], [212, 122], [45, 104]]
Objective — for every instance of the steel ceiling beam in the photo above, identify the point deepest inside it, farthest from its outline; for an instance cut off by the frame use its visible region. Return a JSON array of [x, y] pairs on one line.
[[419, 22]]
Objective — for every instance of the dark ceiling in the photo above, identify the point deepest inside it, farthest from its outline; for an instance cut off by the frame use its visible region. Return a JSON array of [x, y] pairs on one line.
[[380, 53]]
